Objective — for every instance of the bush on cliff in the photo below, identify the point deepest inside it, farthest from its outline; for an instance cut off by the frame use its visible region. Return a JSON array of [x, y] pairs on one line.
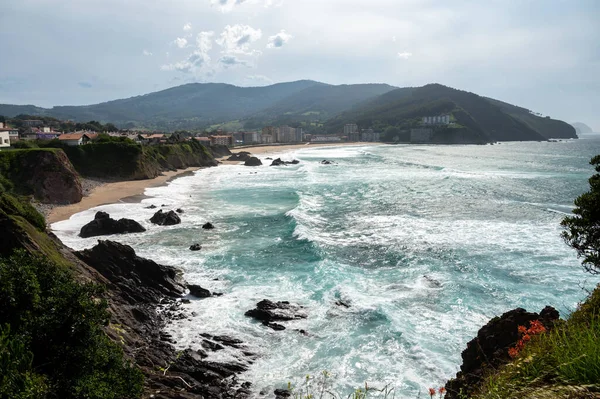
[[52, 342]]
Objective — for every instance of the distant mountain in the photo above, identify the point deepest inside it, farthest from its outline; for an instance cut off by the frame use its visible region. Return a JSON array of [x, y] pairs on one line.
[[582, 128], [320, 108], [201, 103], [476, 119], [325, 101]]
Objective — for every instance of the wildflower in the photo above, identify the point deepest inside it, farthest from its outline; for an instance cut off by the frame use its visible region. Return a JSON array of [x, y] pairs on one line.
[[442, 391], [526, 338], [522, 330], [431, 392], [513, 352]]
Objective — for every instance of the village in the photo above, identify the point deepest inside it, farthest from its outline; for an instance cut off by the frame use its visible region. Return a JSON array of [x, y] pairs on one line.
[[33, 130]]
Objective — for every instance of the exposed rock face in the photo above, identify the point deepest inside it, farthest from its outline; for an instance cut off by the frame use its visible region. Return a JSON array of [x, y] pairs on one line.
[[104, 225], [198, 291], [490, 348], [240, 156], [120, 265], [279, 162], [253, 161], [208, 226], [165, 219], [268, 312]]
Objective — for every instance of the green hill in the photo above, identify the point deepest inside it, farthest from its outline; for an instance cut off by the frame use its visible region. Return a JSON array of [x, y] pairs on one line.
[[475, 119]]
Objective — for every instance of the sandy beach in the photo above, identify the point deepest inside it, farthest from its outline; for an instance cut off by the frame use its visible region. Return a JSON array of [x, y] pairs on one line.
[[110, 193]]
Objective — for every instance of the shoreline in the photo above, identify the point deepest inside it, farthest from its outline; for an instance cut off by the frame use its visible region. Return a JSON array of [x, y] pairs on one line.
[[133, 190], [110, 193]]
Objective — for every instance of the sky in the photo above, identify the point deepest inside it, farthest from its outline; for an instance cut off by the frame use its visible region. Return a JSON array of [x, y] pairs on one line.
[[543, 55]]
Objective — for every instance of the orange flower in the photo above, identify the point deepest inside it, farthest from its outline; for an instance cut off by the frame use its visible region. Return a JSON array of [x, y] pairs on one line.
[[513, 352], [431, 392], [441, 391], [522, 330], [526, 338]]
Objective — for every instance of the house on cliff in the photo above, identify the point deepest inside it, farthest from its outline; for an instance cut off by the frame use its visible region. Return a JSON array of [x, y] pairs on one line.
[[13, 134], [75, 139], [4, 139]]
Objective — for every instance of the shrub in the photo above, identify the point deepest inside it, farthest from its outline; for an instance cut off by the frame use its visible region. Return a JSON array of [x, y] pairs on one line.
[[52, 337]]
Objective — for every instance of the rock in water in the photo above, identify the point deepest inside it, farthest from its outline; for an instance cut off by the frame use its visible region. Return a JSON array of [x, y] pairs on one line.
[[279, 162], [269, 311], [104, 225], [179, 210], [198, 291], [208, 226], [165, 219], [240, 156], [253, 161], [196, 247]]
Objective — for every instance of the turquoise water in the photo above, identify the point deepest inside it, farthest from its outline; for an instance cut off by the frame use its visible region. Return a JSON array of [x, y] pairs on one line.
[[426, 244]]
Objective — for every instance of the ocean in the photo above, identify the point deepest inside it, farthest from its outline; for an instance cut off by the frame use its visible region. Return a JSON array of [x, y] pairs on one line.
[[424, 244]]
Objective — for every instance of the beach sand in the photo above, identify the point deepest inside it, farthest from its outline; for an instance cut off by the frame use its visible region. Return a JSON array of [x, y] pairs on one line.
[[109, 193], [133, 191]]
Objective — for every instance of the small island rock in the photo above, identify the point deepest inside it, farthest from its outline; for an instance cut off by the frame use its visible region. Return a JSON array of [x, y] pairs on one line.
[[196, 247], [104, 225], [253, 161], [208, 226], [165, 219]]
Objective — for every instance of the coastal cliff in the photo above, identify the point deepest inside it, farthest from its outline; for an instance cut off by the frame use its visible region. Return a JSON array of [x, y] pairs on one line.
[[46, 174], [142, 296]]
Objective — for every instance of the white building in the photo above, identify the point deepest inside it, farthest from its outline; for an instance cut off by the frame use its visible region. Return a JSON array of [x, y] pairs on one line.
[[4, 139], [436, 120], [350, 128]]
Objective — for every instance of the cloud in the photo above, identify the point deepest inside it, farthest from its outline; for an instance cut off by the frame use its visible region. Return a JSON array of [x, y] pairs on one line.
[[227, 5], [187, 27], [404, 55], [146, 53], [181, 42], [198, 59], [229, 61], [278, 40], [238, 38], [85, 85]]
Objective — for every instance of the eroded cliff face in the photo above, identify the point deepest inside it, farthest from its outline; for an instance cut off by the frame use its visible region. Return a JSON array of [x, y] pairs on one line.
[[47, 174]]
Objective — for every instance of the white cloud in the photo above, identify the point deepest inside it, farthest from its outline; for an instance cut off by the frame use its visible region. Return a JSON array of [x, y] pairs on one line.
[[278, 40], [404, 55], [146, 53], [181, 42], [198, 60], [227, 5], [230, 61], [238, 38], [187, 27]]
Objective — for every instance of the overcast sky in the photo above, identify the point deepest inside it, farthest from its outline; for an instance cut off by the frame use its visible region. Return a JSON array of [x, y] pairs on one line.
[[543, 55]]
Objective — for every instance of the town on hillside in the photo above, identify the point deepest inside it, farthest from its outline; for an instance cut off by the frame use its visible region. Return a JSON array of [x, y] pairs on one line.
[[20, 132]]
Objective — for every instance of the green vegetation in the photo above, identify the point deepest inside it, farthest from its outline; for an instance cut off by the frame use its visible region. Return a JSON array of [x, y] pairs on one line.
[[582, 231], [22, 207], [15, 165], [52, 343], [18, 122]]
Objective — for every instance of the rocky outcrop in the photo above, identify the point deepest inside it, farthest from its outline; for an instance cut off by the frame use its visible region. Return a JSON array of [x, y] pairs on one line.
[[47, 174], [279, 162], [198, 292], [241, 156], [165, 218], [490, 348], [326, 162], [253, 161], [269, 312], [104, 225], [195, 247], [208, 226]]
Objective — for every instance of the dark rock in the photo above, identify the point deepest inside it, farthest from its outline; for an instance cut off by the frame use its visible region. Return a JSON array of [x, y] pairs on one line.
[[342, 303], [224, 339], [198, 291], [104, 225], [165, 219], [253, 161], [151, 207], [240, 156], [489, 349], [279, 162], [217, 294], [268, 311], [196, 247], [179, 210], [269, 158], [212, 346], [208, 226], [282, 394], [274, 326], [120, 265]]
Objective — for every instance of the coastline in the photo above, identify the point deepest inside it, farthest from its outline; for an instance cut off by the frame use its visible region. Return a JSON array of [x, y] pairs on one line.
[[133, 190], [109, 193]]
